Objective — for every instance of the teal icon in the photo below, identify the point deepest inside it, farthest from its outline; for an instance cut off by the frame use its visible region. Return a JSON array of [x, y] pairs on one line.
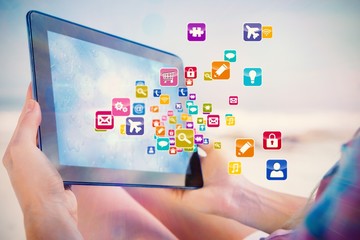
[[252, 77], [193, 110], [230, 55], [162, 144]]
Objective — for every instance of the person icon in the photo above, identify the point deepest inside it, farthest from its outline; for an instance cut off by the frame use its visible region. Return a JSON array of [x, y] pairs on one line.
[[276, 169], [276, 172]]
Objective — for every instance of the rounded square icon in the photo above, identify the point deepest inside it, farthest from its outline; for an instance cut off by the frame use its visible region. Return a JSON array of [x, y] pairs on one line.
[[184, 138], [139, 108], [252, 32], [169, 77], [134, 126], [104, 120], [276, 169], [267, 32], [162, 144], [244, 147], [220, 70], [234, 168], [121, 106], [190, 72], [272, 140], [207, 108], [141, 91], [252, 77], [230, 55], [213, 121], [196, 32]]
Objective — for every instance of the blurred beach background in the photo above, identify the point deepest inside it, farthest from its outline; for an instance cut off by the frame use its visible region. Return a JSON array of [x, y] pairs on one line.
[[310, 88]]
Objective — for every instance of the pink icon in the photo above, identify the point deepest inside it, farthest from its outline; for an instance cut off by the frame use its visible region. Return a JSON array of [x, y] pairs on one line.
[[170, 113], [164, 117], [213, 121], [121, 107], [233, 100], [169, 77], [104, 120]]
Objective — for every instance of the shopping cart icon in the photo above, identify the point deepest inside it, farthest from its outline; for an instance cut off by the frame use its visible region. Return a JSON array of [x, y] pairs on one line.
[[169, 77]]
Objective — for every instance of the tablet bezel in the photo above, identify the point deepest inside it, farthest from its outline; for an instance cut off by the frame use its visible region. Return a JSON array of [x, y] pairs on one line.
[[38, 25]]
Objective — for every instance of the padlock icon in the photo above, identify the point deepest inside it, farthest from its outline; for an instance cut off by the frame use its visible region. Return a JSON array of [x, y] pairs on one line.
[[272, 140], [190, 72]]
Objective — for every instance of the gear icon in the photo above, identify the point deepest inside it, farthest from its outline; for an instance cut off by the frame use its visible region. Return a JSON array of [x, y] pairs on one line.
[[118, 106]]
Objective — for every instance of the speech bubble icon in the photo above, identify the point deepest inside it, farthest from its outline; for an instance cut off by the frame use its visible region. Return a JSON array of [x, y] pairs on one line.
[[230, 55]]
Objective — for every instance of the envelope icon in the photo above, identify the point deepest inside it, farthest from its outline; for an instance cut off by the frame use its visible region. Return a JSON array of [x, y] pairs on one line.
[[164, 99], [213, 120], [104, 120]]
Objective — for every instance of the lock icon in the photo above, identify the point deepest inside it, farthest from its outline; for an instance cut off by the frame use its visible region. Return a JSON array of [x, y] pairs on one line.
[[190, 72], [272, 140]]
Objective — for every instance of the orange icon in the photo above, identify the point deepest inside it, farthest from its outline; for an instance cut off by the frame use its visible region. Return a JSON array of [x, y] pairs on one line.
[[244, 147], [160, 131], [267, 32], [220, 70]]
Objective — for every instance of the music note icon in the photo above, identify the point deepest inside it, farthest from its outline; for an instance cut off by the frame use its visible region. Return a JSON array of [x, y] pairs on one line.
[[234, 168], [230, 121]]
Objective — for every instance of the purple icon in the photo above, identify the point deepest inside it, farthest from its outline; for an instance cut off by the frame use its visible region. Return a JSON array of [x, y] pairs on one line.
[[196, 31], [252, 32], [178, 106], [189, 125], [199, 139], [192, 96], [134, 126], [172, 141]]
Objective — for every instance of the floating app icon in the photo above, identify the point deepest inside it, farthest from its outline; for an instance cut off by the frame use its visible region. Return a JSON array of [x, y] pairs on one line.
[[190, 72], [189, 125], [178, 106], [276, 169], [104, 120], [156, 122], [220, 70], [172, 150], [230, 120], [193, 110], [196, 32], [202, 127], [192, 96], [170, 113], [160, 131], [165, 99], [244, 147], [252, 32], [217, 145], [139, 83], [189, 82], [178, 126], [120, 106], [272, 140], [151, 150], [199, 138], [164, 117], [189, 103], [183, 92], [139, 108], [184, 138], [162, 144], [172, 120], [252, 77], [207, 76], [141, 92], [233, 100], [172, 141], [157, 92], [122, 129], [207, 108], [171, 132], [230, 55], [134, 126], [234, 168], [184, 117], [169, 77], [200, 120], [267, 32], [206, 141], [213, 121], [154, 109]]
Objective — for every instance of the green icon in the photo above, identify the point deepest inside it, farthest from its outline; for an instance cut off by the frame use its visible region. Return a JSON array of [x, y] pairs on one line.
[[207, 108], [200, 120]]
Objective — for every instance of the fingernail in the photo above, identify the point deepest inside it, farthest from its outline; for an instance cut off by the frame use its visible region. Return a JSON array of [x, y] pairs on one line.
[[30, 105]]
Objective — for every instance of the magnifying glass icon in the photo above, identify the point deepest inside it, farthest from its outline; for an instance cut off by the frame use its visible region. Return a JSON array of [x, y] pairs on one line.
[[141, 91], [182, 138]]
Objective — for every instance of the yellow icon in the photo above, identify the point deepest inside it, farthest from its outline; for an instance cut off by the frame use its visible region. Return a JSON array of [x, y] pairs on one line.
[[184, 138], [178, 126], [217, 145], [230, 121], [141, 91], [244, 147], [184, 117], [160, 131], [164, 99], [234, 168], [266, 32], [190, 149], [207, 76], [220, 70], [189, 118], [122, 129], [200, 120], [172, 120]]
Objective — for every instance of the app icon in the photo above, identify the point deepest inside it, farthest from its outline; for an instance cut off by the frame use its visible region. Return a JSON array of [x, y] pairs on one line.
[[122, 129], [141, 92], [230, 120], [164, 117], [120, 106], [213, 121], [156, 122], [207, 76], [151, 150], [160, 131], [244, 147], [230, 55], [193, 110], [104, 120], [172, 141], [272, 140], [171, 132], [170, 113], [169, 77], [192, 96], [178, 126], [276, 169], [217, 145], [183, 92], [189, 82], [157, 92], [267, 32], [207, 108], [184, 117], [162, 144], [252, 32], [206, 141], [233, 100], [139, 108], [196, 32], [190, 72], [172, 120], [200, 120], [134, 126], [154, 109], [189, 103], [184, 138], [199, 138], [220, 70], [178, 106], [234, 168], [164, 99], [172, 150], [252, 77], [202, 127], [189, 125], [140, 83]]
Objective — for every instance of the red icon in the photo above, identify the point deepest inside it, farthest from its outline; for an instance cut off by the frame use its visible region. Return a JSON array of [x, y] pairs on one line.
[[171, 132], [233, 100], [104, 120], [213, 121], [190, 72], [189, 82], [272, 140]]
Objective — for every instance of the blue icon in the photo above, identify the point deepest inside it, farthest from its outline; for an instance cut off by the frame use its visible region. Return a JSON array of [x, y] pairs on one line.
[[139, 108], [151, 150], [163, 144], [189, 103], [276, 169], [157, 92], [252, 32], [202, 127], [183, 92], [193, 110], [134, 126], [206, 141], [139, 83], [252, 76], [230, 55]]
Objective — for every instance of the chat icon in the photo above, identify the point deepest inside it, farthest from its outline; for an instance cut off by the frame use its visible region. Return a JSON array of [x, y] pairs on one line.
[[230, 55]]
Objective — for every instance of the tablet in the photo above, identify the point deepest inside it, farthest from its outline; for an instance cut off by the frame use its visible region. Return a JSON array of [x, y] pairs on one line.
[[112, 109]]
